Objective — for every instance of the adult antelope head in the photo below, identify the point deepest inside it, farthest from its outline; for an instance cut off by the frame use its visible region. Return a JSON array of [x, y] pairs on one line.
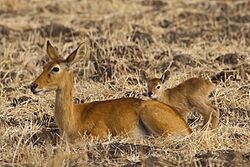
[[55, 73]]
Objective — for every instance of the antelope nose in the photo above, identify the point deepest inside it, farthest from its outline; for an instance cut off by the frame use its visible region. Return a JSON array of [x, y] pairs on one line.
[[33, 87], [150, 94]]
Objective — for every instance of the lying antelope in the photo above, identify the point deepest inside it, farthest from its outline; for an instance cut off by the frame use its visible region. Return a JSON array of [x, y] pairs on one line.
[[130, 116], [191, 94]]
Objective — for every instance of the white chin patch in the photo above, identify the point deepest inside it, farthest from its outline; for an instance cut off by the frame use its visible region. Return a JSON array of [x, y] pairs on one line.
[[154, 97], [40, 92]]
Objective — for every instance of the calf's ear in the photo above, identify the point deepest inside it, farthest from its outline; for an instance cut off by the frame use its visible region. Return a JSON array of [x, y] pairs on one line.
[[165, 76], [144, 75]]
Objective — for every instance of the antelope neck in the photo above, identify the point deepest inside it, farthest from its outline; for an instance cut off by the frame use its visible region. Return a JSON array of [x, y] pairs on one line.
[[64, 102]]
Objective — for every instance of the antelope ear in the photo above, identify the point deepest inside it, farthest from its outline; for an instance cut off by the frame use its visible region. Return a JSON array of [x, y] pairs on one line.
[[72, 56], [165, 76], [144, 75], [51, 51]]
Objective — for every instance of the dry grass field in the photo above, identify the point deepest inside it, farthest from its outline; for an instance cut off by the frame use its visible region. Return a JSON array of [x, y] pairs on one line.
[[190, 38]]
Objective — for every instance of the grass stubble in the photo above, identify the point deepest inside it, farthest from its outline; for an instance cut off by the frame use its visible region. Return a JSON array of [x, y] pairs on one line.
[[190, 38]]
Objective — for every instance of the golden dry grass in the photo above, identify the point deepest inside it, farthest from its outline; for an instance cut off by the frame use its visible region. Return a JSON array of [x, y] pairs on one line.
[[190, 38]]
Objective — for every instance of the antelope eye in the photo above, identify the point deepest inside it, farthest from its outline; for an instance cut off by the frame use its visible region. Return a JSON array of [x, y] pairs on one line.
[[55, 69], [158, 87]]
